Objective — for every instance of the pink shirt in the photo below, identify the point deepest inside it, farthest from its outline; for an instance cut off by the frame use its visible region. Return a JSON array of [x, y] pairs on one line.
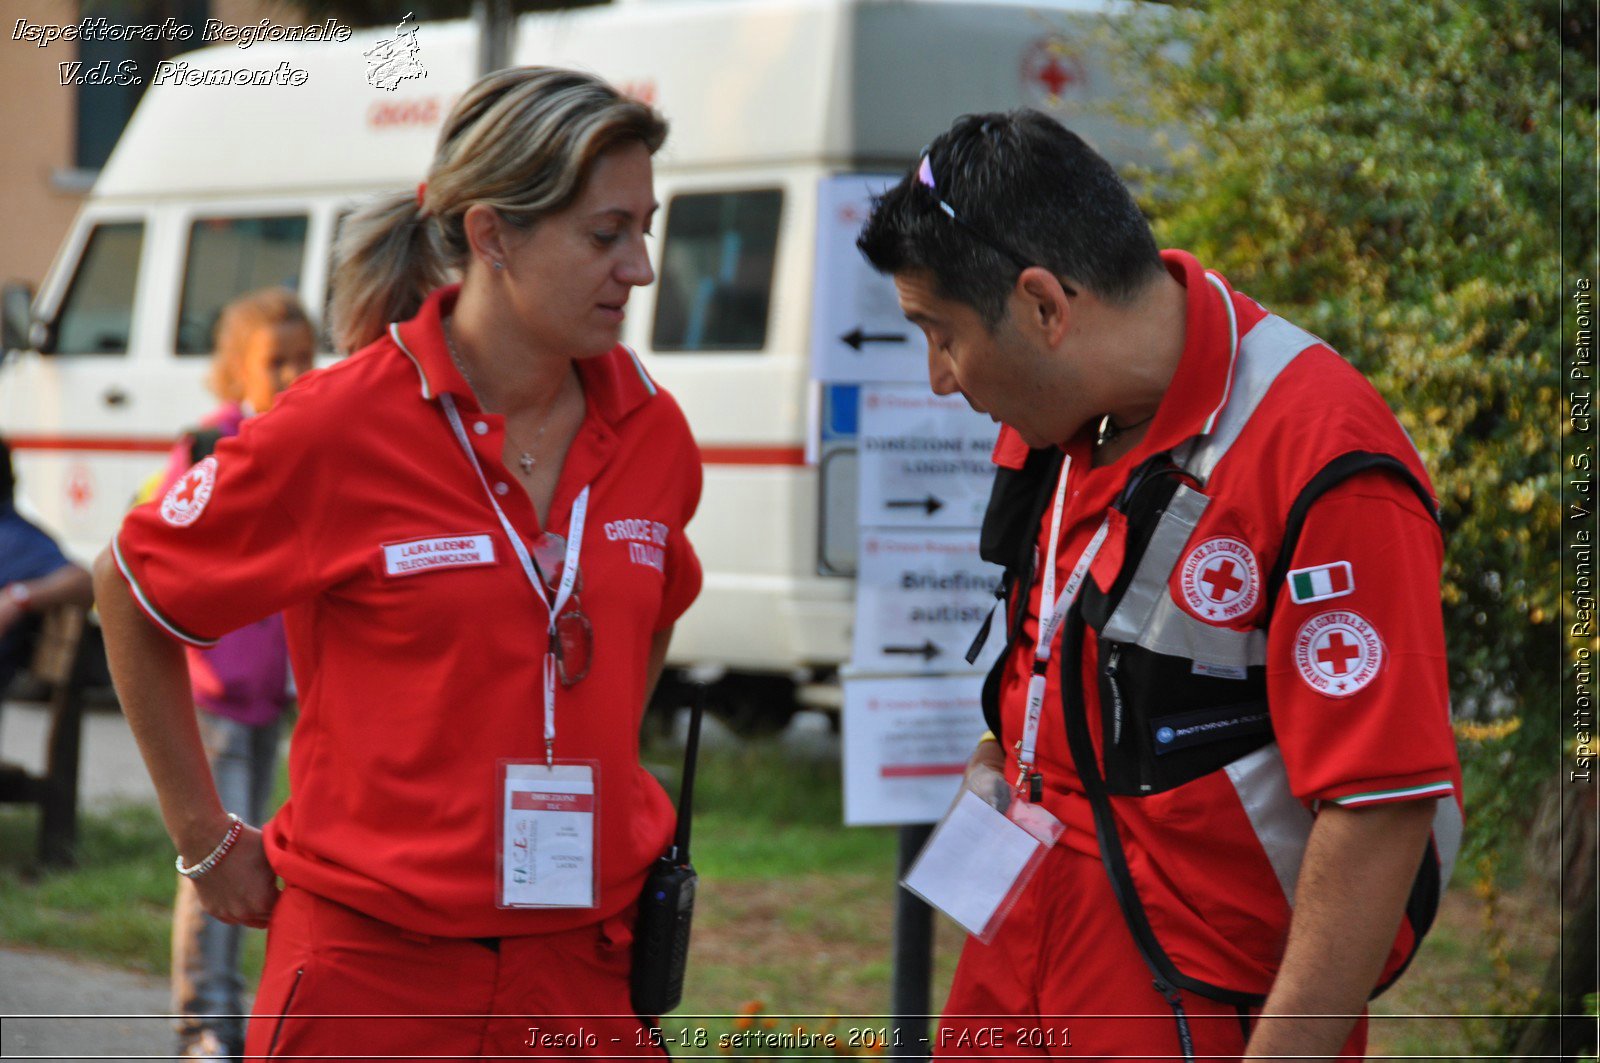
[[244, 677]]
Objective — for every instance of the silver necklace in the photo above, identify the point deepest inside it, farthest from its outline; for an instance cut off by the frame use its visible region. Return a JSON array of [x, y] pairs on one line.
[[525, 458], [1110, 430]]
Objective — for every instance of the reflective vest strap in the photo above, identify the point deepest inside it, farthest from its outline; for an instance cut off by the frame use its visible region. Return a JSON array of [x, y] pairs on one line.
[[1146, 615], [1282, 824], [1447, 829], [1149, 586], [1263, 354]]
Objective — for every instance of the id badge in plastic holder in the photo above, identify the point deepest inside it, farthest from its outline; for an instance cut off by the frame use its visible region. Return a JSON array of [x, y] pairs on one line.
[[549, 834], [980, 858]]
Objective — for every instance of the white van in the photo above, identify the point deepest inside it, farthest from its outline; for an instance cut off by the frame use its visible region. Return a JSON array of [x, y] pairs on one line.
[[218, 189]]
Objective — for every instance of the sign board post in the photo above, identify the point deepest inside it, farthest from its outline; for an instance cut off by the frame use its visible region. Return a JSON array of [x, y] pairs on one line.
[[912, 713]]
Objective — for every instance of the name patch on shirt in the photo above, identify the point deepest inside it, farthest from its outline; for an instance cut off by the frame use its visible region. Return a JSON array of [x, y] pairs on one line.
[[446, 551], [646, 539]]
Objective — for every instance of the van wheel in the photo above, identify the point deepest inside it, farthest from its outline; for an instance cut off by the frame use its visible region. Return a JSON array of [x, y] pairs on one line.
[[754, 706]]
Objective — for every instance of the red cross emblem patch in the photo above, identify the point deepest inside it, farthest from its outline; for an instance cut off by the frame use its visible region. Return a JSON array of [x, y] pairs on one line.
[[1220, 580], [1051, 72], [187, 498], [1338, 653]]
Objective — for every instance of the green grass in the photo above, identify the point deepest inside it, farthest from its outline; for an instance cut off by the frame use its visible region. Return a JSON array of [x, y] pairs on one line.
[[114, 906], [795, 913], [762, 812], [762, 815]]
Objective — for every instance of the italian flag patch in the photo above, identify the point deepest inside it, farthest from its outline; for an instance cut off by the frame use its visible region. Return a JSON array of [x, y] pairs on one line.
[[1321, 583]]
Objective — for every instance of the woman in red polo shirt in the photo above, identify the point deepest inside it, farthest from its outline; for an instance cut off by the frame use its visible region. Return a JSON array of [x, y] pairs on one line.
[[474, 527]]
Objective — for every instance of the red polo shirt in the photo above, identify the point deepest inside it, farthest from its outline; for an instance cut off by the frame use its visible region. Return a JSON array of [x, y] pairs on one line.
[[417, 676], [1384, 735]]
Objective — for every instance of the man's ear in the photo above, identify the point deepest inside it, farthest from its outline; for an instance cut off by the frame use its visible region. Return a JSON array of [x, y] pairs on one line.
[[486, 234], [1041, 304]]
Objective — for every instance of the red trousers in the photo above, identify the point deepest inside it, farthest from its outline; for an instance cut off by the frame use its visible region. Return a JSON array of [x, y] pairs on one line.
[[1063, 977], [339, 983]]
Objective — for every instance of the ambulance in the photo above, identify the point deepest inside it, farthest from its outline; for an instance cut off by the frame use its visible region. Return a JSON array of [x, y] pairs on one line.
[[236, 170]]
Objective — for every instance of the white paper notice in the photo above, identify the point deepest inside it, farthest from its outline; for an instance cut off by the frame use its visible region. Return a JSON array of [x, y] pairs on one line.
[[547, 855], [971, 862], [906, 743]]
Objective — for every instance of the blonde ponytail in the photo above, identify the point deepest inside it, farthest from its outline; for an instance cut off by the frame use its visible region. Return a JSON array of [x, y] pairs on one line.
[[387, 259], [522, 141]]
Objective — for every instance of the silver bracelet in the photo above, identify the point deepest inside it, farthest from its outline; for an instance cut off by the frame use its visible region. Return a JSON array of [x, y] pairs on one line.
[[235, 828]]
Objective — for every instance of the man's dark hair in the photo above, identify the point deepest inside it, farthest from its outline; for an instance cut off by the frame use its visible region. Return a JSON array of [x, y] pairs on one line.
[[1035, 188], [8, 476]]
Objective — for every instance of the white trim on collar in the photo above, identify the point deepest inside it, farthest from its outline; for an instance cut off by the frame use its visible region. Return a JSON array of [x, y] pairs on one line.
[[394, 334], [650, 385], [1233, 350]]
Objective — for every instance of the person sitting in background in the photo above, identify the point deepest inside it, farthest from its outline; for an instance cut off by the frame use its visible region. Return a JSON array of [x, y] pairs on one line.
[[264, 340], [34, 573]]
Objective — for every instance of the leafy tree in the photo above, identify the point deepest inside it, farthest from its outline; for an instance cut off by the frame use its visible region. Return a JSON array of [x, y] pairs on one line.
[[1414, 183], [1390, 176]]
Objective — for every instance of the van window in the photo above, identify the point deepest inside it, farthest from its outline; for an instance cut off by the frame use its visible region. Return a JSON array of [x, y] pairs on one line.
[[97, 315], [716, 271], [228, 257]]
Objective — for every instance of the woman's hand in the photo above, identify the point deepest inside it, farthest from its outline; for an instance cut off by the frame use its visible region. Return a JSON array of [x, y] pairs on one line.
[[242, 887], [152, 679]]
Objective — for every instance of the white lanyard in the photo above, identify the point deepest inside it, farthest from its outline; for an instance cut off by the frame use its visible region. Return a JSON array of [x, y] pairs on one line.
[[569, 570], [1051, 623]]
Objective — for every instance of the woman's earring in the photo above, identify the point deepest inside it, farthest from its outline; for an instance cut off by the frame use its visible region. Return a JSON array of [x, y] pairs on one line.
[[499, 265]]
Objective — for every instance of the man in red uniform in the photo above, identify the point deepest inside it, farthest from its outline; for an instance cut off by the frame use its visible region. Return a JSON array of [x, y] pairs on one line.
[[1244, 726]]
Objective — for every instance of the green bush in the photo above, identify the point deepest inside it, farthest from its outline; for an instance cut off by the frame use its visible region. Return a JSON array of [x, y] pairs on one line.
[[1402, 180]]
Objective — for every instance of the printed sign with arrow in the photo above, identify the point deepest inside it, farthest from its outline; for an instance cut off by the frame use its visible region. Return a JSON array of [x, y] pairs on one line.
[[858, 333], [924, 459], [920, 598]]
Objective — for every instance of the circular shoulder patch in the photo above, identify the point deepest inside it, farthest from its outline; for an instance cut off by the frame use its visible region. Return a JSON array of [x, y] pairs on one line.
[[1338, 653], [1220, 580], [187, 498]]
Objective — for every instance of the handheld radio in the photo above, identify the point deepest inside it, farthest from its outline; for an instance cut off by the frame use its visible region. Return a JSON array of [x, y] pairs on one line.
[[666, 906]]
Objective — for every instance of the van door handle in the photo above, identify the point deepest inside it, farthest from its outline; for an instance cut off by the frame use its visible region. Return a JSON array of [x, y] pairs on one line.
[[115, 396]]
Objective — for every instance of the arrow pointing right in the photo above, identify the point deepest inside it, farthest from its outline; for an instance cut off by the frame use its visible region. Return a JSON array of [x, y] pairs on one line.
[[927, 651], [930, 504]]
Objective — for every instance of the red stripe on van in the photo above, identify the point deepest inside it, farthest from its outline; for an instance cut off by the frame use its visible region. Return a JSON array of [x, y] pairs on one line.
[[126, 444], [133, 445], [918, 771], [753, 455]]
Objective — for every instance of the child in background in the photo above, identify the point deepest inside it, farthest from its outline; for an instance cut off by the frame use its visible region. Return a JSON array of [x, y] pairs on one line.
[[264, 340]]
